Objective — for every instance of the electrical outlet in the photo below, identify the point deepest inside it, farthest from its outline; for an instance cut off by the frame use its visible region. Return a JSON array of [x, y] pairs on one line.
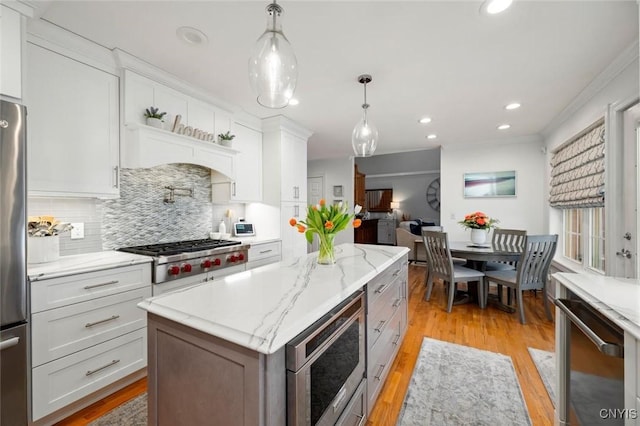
[[453, 216], [77, 232]]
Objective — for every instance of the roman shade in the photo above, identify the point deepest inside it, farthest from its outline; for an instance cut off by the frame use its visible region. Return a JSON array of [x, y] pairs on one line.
[[577, 170]]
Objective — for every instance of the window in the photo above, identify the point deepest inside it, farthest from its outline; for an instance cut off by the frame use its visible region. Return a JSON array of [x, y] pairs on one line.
[[584, 237]]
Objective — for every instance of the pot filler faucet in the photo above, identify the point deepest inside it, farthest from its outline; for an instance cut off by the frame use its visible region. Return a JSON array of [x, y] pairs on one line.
[[174, 191]]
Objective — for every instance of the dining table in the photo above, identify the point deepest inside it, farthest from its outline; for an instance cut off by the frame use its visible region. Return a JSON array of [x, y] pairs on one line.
[[477, 256]]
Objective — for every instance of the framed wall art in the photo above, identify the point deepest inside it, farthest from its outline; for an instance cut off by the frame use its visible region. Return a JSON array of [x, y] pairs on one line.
[[490, 184]]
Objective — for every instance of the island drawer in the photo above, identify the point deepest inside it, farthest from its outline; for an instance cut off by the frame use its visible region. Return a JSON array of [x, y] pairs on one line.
[[383, 310], [380, 284], [65, 380], [381, 358], [56, 292], [355, 412], [62, 331], [259, 251]]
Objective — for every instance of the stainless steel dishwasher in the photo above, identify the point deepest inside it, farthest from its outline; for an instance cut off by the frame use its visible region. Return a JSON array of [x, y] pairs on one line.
[[591, 375]]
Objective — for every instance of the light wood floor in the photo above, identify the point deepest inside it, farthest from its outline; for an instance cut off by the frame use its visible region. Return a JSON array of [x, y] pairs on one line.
[[488, 329]]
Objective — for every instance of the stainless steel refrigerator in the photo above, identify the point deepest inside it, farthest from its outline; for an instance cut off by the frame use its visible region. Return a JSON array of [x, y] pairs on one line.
[[13, 268]]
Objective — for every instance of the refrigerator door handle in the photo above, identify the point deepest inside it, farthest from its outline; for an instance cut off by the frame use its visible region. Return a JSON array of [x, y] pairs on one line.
[[9, 343]]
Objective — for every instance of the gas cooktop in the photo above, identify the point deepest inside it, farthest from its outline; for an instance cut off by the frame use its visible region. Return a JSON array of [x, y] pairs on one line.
[[178, 247]]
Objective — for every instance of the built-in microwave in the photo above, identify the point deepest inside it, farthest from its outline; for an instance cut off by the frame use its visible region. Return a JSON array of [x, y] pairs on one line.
[[325, 365]]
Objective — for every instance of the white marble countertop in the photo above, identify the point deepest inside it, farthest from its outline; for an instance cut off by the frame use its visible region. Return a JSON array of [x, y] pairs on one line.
[[79, 263], [616, 298], [264, 308]]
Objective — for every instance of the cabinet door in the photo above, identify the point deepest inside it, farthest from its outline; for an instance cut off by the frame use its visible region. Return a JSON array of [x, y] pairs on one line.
[[294, 168], [247, 165], [10, 50], [73, 126], [294, 244]]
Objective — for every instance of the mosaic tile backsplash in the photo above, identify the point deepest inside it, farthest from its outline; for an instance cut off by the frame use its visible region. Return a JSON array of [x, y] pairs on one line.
[[140, 216]]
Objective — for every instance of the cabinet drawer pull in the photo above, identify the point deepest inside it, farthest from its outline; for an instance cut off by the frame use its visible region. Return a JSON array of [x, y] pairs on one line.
[[379, 374], [395, 274], [9, 343], [117, 177], [379, 327], [114, 362], [361, 417], [397, 303], [89, 287], [91, 324], [382, 288], [266, 251], [396, 340]]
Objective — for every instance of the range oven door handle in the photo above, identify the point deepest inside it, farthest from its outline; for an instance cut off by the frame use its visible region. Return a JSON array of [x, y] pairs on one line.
[[611, 349]]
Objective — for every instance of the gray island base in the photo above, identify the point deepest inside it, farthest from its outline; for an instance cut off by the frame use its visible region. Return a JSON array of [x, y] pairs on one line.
[[217, 351]]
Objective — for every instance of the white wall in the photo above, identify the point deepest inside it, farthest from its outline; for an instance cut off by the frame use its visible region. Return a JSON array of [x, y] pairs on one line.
[[525, 211], [335, 172]]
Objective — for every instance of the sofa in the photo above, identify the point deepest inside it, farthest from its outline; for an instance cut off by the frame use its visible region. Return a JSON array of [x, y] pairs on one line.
[[405, 238]]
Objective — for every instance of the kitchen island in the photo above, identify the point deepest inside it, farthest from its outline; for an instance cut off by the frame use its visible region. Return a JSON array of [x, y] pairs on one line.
[[617, 300], [217, 350]]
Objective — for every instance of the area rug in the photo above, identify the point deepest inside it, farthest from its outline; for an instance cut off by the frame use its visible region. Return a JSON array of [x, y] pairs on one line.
[[589, 393], [459, 385], [131, 413]]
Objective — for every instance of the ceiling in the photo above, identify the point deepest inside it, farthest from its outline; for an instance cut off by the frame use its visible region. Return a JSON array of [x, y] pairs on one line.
[[441, 59]]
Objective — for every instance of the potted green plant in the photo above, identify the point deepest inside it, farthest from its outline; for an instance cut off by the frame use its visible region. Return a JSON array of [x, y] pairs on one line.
[[155, 118], [225, 139]]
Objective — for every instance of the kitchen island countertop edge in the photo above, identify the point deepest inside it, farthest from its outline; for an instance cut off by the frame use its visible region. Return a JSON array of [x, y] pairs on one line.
[[264, 308]]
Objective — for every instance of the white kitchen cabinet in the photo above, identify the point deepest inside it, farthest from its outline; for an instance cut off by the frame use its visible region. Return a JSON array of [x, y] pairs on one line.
[[294, 243], [10, 52], [285, 177], [246, 187], [293, 185], [87, 334], [73, 127]]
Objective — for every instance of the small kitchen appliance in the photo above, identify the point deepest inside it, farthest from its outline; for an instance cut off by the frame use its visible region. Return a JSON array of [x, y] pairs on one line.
[[243, 229], [182, 259]]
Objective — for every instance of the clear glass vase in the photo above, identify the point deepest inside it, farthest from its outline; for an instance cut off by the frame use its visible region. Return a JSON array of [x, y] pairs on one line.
[[326, 255]]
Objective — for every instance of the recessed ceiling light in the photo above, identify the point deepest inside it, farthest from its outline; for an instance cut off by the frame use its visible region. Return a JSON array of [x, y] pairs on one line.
[[293, 102], [192, 36], [513, 105], [425, 120], [504, 126], [492, 7], [432, 136]]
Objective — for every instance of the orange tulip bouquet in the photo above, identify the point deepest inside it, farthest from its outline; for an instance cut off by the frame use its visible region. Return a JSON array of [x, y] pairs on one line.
[[326, 221]]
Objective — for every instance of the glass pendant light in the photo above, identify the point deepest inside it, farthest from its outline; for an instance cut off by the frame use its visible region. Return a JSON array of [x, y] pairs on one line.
[[273, 68], [365, 134]]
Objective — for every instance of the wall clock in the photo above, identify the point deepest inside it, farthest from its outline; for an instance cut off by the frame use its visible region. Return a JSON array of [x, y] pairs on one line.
[[433, 194]]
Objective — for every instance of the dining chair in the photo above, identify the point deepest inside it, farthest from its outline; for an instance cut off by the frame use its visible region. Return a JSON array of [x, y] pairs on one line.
[[441, 266], [509, 240], [531, 272]]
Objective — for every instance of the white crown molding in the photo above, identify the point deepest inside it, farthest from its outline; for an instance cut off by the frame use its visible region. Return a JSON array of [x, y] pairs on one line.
[[56, 39], [619, 64], [25, 8], [280, 122], [127, 61]]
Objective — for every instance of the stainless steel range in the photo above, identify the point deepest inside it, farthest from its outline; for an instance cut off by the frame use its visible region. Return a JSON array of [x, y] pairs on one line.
[[183, 259]]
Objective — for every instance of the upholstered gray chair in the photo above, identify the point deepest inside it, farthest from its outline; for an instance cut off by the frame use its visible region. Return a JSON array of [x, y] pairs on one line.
[[531, 272], [441, 266]]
